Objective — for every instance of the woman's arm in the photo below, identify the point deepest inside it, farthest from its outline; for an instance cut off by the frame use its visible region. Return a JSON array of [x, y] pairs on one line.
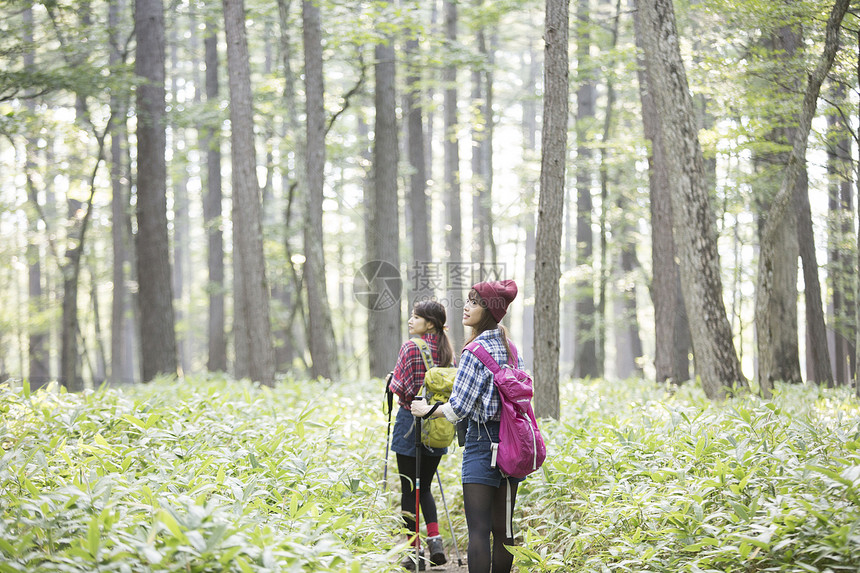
[[422, 409]]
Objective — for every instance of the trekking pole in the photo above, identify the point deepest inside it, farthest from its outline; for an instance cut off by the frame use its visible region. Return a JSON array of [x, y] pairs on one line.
[[448, 516], [418, 447], [389, 400]]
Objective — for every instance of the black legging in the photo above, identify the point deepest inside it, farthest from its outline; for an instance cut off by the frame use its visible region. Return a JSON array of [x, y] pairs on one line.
[[406, 467], [485, 513]]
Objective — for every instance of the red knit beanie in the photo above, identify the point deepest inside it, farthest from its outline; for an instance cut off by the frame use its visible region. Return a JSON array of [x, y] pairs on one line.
[[497, 295]]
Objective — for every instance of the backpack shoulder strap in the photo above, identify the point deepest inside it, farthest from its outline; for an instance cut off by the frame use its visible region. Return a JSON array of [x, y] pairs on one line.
[[481, 354], [426, 355]]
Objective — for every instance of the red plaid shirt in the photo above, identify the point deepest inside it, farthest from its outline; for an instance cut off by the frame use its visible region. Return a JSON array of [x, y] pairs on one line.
[[409, 370]]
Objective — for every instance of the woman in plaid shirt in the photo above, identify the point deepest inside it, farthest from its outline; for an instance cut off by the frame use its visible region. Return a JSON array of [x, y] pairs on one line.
[[428, 322], [474, 397]]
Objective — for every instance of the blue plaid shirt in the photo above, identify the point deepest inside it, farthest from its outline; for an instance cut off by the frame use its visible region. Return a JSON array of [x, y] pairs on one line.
[[474, 396]]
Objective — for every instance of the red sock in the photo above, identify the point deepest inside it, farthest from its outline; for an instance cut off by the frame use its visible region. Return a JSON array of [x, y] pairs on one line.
[[432, 529]]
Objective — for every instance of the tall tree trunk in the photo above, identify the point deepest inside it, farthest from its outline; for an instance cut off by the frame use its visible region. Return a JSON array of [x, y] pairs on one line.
[[100, 369], [857, 261], [79, 214], [457, 284], [181, 222], [781, 359], [121, 366], [479, 183], [840, 229], [553, 160], [628, 341], [716, 360], [158, 338], [672, 338], [529, 126], [252, 331], [430, 77], [585, 363], [290, 294], [419, 214], [483, 248], [816, 340], [788, 191], [629, 345], [384, 320], [320, 333], [38, 370], [216, 360], [487, 154]]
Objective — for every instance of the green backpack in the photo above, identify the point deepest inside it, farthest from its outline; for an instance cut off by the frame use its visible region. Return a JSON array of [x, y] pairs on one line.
[[438, 382]]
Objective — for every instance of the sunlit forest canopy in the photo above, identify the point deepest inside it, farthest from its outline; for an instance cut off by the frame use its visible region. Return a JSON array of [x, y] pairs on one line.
[[265, 188]]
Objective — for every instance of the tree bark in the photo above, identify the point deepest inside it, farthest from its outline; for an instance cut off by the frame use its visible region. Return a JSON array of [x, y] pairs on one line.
[[483, 247], [216, 360], [857, 266], [585, 363], [384, 320], [841, 271], [781, 359], [121, 366], [252, 331], [628, 341], [181, 220], [293, 333], [794, 172], [457, 284], [716, 360], [38, 370], [529, 126], [158, 339], [419, 214], [550, 210], [79, 215], [818, 354], [320, 332], [671, 341]]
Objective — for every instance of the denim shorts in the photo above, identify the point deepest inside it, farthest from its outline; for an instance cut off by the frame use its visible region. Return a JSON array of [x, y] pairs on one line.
[[478, 454], [403, 436]]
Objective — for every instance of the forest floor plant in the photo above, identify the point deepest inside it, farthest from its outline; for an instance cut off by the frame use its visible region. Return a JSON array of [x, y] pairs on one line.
[[195, 475], [639, 478], [209, 474]]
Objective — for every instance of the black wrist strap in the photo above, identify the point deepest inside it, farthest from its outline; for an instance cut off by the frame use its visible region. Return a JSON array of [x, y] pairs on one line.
[[433, 409]]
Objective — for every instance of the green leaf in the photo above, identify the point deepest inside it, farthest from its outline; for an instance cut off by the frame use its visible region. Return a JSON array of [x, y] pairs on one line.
[[93, 537], [99, 439], [172, 525], [134, 420], [34, 491], [152, 420], [6, 548], [741, 510], [243, 564]]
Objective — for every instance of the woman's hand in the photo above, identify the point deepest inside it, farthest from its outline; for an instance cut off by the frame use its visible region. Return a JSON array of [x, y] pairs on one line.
[[419, 408]]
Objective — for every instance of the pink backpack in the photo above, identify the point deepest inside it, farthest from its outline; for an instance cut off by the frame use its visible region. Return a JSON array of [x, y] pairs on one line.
[[521, 449]]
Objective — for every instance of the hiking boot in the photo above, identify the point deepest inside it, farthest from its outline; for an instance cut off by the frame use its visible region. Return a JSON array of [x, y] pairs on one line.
[[437, 551], [408, 562]]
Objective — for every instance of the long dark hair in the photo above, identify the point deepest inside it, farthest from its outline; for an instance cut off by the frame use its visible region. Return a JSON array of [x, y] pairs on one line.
[[487, 323], [433, 312]]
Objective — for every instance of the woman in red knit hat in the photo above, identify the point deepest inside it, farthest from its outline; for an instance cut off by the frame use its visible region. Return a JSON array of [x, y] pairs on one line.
[[474, 397]]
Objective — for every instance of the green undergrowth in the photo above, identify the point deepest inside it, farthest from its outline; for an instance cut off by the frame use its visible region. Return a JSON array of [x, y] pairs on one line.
[[195, 475], [641, 479], [209, 474]]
